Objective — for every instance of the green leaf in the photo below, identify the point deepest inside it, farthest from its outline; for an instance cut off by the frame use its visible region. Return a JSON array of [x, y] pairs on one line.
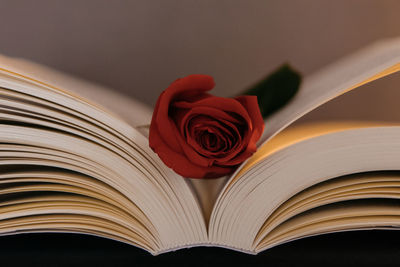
[[276, 90]]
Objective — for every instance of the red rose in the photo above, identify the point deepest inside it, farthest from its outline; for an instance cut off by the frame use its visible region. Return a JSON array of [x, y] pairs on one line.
[[199, 135]]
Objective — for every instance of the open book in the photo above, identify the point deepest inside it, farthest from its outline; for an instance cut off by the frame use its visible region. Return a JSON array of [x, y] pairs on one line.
[[75, 158]]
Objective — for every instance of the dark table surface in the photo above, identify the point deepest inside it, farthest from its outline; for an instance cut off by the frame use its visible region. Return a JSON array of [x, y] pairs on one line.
[[362, 248]]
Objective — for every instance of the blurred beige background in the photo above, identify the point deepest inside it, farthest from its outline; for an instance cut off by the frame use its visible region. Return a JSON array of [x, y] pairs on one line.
[[139, 47]]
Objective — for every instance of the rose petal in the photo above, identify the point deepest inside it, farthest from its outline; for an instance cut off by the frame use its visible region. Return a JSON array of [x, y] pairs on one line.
[[251, 105], [230, 105], [179, 135], [181, 165], [218, 125], [229, 136], [192, 140], [197, 121], [209, 107], [206, 111], [195, 84]]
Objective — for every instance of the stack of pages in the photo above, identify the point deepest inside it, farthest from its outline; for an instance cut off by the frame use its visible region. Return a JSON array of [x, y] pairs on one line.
[[74, 157]]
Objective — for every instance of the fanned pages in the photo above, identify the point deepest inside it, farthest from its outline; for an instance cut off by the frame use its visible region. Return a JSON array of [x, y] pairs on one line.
[[43, 126], [74, 158], [369, 64]]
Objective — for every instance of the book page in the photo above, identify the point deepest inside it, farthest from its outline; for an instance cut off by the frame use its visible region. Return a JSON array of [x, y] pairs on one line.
[[129, 109], [37, 113], [375, 101], [207, 191], [337, 217], [306, 131], [369, 185], [371, 63], [291, 165]]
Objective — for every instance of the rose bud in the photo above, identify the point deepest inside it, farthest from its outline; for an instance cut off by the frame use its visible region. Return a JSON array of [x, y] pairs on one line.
[[199, 135]]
